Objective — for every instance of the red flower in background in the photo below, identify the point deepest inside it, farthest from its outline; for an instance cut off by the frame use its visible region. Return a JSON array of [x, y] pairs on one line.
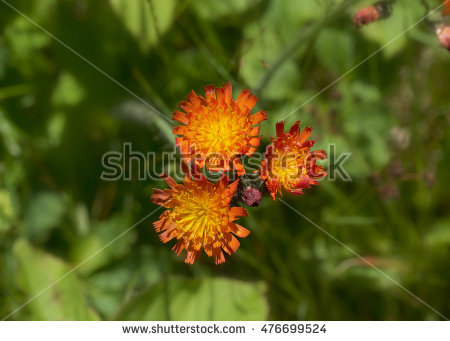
[[446, 7], [366, 16]]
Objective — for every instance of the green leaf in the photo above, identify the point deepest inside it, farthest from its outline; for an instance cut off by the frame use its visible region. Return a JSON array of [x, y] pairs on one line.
[[335, 50], [67, 91], [145, 19], [8, 210], [10, 135], [214, 9], [44, 213], [103, 233], [38, 271], [199, 299], [26, 40]]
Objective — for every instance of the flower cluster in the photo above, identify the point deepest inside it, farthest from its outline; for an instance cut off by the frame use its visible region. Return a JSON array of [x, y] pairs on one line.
[[215, 133]]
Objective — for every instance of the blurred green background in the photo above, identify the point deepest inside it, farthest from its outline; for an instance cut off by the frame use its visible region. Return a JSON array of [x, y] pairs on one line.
[[59, 115]]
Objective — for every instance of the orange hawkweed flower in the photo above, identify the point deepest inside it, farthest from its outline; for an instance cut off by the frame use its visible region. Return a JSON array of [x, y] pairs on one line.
[[446, 7], [216, 129], [199, 216], [290, 162]]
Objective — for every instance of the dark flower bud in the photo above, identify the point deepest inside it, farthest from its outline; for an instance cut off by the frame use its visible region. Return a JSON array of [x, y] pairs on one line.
[[251, 196], [249, 191]]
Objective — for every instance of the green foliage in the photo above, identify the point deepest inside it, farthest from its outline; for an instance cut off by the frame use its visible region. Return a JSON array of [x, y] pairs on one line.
[[64, 300], [146, 20], [43, 214], [59, 221], [207, 299]]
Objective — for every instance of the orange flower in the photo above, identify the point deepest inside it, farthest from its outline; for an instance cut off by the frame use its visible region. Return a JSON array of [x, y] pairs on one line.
[[217, 130], [199, 216], [446, 7], [290, 162]]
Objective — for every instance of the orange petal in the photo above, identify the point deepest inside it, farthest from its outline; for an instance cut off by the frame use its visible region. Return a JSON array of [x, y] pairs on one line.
[[263, 168], [231, 244], [160, 224], [179, 141], [219, 258], [228, 93], [223, 182], [306, 133], [250, 152], [254, 141], [273, 186], [168, 234], [192, 256], [239, 167], [160, 196], [179, 246], [254, 131], [168, 179], [320, 154], [246, 98], [258, 117], [239, 230], [296, 191], [280, 128], [180, 130], [210, 92], [200, 163], [295, 129], [220, 95], [236, 212], [194, 98], [180, 117], [230, 190]]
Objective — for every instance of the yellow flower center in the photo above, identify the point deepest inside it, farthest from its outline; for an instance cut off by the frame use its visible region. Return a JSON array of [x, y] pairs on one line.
[[199, 214], [221, 130], [287, 167]]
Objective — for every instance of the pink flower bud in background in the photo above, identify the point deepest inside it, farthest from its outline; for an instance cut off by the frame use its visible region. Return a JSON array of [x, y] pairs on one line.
[[443, 34], [366, 16]]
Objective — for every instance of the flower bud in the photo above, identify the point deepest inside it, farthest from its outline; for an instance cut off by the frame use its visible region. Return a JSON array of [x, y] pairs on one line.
[[368, 15], [251, 196], [443, 34]]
